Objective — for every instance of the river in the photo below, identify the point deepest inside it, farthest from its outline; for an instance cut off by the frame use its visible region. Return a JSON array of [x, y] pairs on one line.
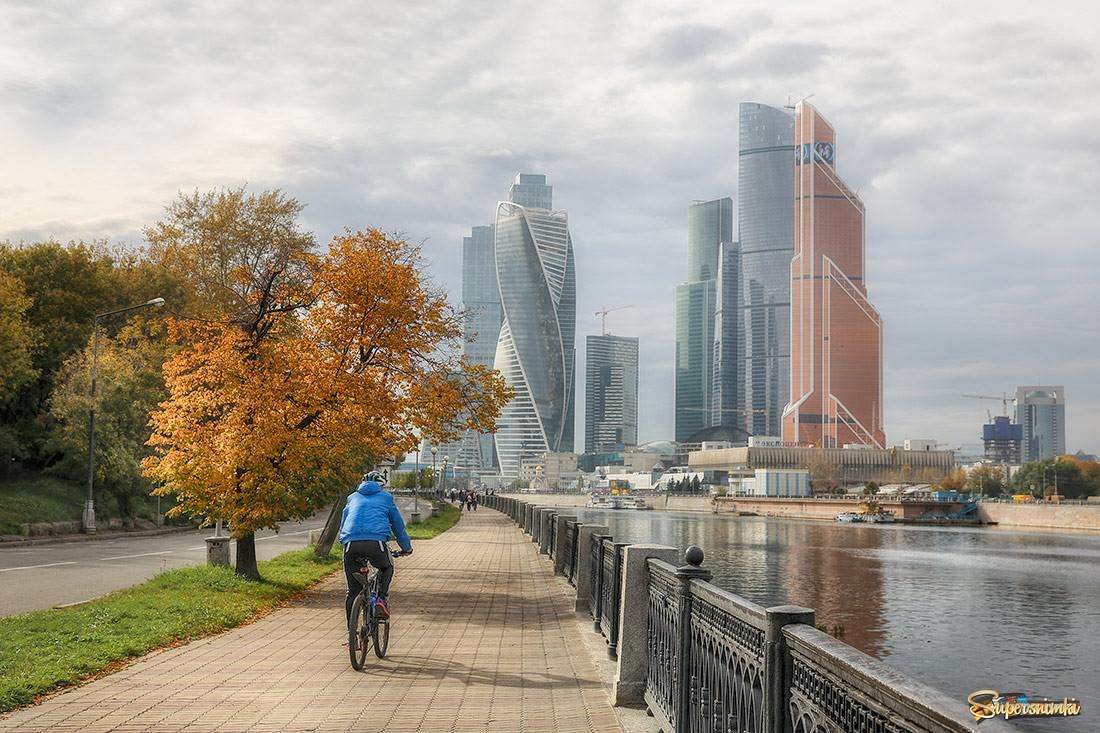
[[960, 609]]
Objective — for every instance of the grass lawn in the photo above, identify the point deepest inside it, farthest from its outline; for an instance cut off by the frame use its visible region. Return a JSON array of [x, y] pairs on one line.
[[432, 526], [45, 650], [35, 498]]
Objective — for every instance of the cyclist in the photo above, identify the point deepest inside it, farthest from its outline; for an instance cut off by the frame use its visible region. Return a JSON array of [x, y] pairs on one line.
[[369, 517]]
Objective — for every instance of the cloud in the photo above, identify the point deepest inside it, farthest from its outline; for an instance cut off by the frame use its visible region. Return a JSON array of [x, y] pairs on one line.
[[972, 136]]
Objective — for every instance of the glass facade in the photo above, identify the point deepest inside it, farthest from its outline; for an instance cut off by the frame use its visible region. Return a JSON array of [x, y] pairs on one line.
[[694, 345], [727, 394], [765, 231], [535, 351], [710, 223], [836, 334], [481, 329], [1041, 412], [611, 393]]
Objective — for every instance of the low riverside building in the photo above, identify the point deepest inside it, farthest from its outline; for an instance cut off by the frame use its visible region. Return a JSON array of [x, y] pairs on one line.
[[772, 482], [846, 465]]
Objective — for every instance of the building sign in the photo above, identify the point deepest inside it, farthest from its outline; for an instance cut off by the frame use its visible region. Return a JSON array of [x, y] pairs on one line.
[[820, 150]]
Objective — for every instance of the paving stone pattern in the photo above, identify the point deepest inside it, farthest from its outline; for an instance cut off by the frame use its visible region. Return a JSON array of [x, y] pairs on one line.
[[483, 639]]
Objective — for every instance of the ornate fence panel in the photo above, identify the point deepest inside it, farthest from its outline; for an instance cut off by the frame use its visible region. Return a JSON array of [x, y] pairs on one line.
[[595, 590], [835, 687], [574, 551], [552, 530], [611, 590], [568, 527], [663, 642], [726, 668]]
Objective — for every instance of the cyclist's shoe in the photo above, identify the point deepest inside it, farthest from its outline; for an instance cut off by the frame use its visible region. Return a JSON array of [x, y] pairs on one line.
[[381, 609]]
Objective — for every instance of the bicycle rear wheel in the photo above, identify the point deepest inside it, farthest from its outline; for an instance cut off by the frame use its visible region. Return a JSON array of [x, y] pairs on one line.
[[359, 632], [380, 631]]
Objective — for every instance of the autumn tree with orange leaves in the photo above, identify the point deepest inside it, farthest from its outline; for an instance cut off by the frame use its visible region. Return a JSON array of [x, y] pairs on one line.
[[275, 410]]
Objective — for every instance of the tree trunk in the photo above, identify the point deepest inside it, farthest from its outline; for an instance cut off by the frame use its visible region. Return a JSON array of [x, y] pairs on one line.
[[246, 557], [332, 528]]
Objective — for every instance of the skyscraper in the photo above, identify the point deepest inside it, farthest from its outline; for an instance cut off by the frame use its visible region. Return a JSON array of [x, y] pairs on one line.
[[710, 223], [836, 334], [1042, 413], [765, 235], [727, 393], [481, 328], [611, 393], [536, 349]]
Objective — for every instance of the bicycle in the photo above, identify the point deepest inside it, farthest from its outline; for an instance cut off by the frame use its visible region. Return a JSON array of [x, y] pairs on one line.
[[364, 623]]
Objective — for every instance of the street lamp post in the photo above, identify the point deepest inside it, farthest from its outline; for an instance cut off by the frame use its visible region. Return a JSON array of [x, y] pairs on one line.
[[416, 490], [88, 519], [443, 483], [434, 451]]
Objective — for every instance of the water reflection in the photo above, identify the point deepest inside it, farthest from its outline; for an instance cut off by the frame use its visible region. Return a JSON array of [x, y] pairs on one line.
[[959, 609]]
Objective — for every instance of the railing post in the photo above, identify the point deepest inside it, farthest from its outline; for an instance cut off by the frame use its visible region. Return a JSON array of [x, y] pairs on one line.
[[686, 573], [777, 664], [633, 651], [528, 512], [560, 536], [584, 564]]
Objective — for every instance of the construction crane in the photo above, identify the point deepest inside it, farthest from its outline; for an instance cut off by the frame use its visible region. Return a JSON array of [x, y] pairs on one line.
[[603, 316], [1003, 399]]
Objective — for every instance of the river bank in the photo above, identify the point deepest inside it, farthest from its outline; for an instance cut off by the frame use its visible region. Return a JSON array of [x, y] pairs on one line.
[[1021, 516]]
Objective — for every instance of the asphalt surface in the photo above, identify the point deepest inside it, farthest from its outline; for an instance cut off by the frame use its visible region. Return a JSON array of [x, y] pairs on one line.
[[43, 576]]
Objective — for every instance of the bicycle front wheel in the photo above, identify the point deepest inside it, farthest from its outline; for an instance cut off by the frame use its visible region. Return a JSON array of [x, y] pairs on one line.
[[380, 632], [359, 632]]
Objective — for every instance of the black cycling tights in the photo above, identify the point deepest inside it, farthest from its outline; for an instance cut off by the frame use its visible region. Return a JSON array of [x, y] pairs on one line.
[[357, 555]]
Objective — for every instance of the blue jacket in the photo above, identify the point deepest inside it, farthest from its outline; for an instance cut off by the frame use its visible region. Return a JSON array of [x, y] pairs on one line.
[[371, 514]]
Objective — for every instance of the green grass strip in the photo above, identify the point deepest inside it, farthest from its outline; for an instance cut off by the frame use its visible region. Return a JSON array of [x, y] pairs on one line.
[[45, 650], [433, 526]]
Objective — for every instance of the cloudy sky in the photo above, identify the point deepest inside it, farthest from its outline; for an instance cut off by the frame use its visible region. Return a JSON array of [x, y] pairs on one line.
[[971, 131]]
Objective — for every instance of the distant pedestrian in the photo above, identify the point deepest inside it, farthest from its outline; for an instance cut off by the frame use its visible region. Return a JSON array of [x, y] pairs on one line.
[[474, 498]]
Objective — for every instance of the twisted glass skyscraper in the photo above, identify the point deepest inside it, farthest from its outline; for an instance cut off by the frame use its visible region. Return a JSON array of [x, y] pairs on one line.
[[536, 348]]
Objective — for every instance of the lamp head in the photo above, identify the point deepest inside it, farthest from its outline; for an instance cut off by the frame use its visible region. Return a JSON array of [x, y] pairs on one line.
[[156, 302]]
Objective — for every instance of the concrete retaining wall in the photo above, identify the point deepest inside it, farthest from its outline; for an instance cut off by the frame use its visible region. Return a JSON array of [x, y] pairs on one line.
[[1057, 516], [666, 502]]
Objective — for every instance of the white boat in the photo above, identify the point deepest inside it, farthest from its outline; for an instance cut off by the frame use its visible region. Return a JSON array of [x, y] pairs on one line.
[[603, 501], [849, 517]]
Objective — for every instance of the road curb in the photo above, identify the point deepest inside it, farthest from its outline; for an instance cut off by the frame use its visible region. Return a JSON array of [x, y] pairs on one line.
[[108, 535]]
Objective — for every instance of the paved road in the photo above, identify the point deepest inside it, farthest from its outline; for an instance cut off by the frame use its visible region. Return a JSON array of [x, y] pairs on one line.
[[42, 576]]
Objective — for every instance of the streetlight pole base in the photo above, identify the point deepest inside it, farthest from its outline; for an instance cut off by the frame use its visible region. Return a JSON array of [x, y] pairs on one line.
[[88, 518]]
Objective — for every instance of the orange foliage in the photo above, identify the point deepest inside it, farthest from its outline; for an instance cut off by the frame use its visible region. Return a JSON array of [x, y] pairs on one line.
[[271, 418]]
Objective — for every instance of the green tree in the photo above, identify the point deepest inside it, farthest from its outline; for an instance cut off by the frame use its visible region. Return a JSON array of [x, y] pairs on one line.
[[1043, 478], [129, 386], [18, 341], [824, 473], [67, 285], [985, 479]]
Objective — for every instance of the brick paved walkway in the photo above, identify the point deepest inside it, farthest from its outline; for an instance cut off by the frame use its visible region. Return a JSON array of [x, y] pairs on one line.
[[483, 640]]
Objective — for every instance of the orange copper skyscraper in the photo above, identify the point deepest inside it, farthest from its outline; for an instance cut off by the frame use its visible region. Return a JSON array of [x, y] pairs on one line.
[[836, 334]]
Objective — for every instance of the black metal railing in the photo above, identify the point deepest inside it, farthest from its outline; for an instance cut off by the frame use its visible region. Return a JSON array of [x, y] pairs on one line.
[[573, 552], [552, 530], [595, 590], [664, 642], [727, 661], [717, 663], [611, 571]]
